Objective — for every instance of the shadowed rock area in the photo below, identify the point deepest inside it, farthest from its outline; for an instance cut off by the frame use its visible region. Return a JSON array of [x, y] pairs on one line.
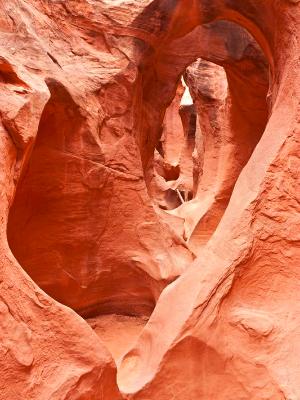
[[149, 200]]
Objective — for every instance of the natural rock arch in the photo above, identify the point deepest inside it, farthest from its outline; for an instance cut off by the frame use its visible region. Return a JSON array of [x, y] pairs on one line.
[[237, 121], [224, 307], [225, 299]]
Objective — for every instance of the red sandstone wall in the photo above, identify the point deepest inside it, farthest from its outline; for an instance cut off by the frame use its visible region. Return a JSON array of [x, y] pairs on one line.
[[84, 88]]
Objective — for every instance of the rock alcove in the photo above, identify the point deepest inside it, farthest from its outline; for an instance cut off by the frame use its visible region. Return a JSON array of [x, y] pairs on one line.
[[167, 226]]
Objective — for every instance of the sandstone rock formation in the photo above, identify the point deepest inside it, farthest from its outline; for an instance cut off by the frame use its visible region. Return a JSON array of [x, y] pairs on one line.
[[172, 137], [235, 332], [82, 223], [90, 191], [171, 178], [47, 352]]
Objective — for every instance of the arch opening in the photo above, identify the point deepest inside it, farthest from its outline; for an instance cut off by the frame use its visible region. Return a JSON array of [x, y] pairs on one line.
[[227, 75], [227, 84]]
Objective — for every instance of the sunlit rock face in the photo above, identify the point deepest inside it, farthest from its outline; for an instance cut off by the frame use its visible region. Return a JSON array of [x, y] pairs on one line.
[[149, 181]]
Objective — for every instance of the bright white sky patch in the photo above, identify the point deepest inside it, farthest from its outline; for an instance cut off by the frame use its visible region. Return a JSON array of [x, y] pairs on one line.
[[186, 99]]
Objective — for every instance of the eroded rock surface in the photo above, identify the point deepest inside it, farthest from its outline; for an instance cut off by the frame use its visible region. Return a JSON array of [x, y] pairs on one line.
[[47, 351], [82, 223], [237, 307], [85, 89]]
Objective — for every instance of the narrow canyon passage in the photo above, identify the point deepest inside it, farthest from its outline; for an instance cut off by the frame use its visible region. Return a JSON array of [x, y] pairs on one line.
[[65, 197], [149, 200], [215, 133]]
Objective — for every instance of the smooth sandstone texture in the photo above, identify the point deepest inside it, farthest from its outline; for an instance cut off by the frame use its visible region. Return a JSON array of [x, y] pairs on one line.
[[118, 332], [235, 333], [232, 124], [232, 113], [84, 90], [172, 138], [82, 223], [46, 350], [171, 179]]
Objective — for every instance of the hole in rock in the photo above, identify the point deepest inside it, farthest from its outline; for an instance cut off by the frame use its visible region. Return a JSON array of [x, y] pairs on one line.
[[57, 222], [212, 124], [213, 114], [173, 156]]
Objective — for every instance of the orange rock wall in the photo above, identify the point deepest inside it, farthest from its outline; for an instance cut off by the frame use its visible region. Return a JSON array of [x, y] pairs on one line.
[[237, 307], [84, 89], [82, 223]]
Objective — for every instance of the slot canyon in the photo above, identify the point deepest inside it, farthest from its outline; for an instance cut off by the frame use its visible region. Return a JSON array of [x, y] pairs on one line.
[[150, 200]]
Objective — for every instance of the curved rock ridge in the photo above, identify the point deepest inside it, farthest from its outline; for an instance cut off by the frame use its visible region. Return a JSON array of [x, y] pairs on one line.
[[172, 227], [229, 128], [235, 320], [82, 223], [47, 351]]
